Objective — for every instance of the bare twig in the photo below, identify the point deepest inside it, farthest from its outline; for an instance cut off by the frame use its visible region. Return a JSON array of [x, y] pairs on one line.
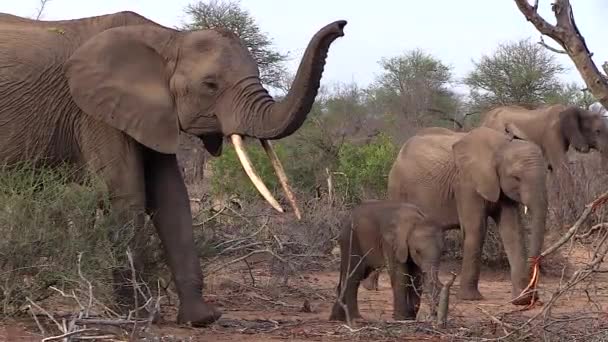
[[41, 9], [444, 300], [69, 334], [46, 313], [89, 286], [496, 320], [598, 226], [589, 208], [550, 48]]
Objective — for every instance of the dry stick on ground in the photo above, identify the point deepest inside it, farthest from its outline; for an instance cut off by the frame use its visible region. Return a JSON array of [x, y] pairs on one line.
[[566, 33], [444, 301], [72, 328]]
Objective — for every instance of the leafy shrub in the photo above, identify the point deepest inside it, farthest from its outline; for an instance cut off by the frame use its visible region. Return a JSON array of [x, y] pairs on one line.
[[365, 168], [228, 176], [45, 222]]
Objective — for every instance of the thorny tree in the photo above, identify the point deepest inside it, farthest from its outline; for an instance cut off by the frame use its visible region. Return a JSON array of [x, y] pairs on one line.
[[517, 72], [566, 34], [417, 84]]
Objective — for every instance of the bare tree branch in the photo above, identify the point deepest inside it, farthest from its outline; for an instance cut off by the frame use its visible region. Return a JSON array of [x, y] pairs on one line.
[[550, 48], [566, 33], [41, 9]]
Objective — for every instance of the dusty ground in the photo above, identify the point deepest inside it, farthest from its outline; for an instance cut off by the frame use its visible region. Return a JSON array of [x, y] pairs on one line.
[[268, 309]]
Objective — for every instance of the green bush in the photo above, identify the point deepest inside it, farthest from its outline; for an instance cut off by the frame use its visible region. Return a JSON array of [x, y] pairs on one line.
[[229, 177], [45, 222], [363, 170]]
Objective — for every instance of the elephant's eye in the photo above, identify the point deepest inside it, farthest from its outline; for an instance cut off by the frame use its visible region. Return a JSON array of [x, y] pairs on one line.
[[212, 86]]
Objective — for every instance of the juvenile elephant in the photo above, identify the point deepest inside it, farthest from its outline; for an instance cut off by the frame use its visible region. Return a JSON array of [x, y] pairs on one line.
[[112, 93], [397, 235], [554, 128], [464, 178]]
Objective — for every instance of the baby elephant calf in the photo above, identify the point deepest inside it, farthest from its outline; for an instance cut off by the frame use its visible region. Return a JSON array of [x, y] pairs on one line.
[[397, 235]]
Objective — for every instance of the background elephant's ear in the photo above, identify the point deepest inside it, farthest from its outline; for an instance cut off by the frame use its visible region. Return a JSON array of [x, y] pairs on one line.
[[474, 156], [513, 131], [118, 77], [570, 124]]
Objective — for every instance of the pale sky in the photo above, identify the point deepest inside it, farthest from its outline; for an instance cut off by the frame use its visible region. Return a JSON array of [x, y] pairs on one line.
[[454, 31]]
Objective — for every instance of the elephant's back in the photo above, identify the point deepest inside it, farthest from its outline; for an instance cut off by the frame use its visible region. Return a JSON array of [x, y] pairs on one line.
[[498, 117], [36, 110], [424, 173]]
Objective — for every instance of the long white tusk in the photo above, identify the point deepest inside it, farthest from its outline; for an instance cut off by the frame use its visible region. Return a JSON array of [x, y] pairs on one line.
[[525, 210], [278, 168], [255, 179]]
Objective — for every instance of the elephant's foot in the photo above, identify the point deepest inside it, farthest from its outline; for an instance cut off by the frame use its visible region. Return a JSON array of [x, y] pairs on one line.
[[467, 293], [197, 313]]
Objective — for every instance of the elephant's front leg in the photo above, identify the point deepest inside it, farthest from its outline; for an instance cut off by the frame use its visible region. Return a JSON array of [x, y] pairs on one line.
[[472, 216], [405, 282], [512, 236], [169, 206]]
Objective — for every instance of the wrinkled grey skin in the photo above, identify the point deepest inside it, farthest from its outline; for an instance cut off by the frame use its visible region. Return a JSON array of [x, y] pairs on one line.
[[464, 178], [111, 93], [554, 128], [395, 234]]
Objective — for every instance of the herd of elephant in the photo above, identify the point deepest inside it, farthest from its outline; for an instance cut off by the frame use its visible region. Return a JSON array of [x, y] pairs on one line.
[[442, 179], [111, 94]]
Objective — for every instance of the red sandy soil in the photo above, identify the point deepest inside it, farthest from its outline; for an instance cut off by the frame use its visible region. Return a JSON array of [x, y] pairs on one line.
[[270, 311]]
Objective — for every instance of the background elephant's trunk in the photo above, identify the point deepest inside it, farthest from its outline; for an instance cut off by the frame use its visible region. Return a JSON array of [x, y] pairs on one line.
[[275, 120]]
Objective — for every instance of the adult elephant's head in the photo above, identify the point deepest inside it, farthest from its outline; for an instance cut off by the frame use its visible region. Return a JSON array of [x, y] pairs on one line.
[[152, 82], [494, 163], [584, 129]]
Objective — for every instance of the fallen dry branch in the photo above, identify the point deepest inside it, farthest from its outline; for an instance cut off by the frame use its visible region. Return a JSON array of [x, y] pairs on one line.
[[591, 230], [589, 209], [566, 34], [77, 325], [444, 301]]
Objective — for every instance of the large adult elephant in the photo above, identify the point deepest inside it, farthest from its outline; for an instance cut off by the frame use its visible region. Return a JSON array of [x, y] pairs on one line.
[[462, 179], [554, 128], [113, 92]]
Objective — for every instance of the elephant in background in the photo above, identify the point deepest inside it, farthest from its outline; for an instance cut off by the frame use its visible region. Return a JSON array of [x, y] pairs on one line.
[[464, 178], [554, 128], [112, 93], [395, 234]]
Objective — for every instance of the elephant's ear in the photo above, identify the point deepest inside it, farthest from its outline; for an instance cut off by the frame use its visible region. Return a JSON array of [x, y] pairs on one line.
[[119, 77], [570, 124], [474, 156], [513, 131]]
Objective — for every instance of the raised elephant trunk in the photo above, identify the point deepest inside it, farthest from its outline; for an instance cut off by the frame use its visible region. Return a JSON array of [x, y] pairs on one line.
[[276, 120], [280, 119]]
